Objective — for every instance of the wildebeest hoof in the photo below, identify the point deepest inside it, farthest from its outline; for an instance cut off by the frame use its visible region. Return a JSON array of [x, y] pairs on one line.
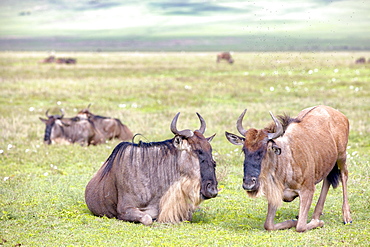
[[315, 223], [146, 220]]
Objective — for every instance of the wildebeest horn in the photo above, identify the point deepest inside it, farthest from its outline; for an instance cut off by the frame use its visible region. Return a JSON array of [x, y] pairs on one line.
[[46, 113], [279, 128], [61, 110], [202, 124], [186, 133], [239, 124], [88, 107]]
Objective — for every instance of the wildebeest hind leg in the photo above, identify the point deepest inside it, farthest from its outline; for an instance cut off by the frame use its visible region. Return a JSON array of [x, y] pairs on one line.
[[344, 177], [133, 214]]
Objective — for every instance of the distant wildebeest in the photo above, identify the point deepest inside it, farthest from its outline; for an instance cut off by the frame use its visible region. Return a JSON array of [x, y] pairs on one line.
[[286, 159], [225, 56], [361, 60], [109, 127], [66, 60], [49, 59], [70, 130], [164, 180]]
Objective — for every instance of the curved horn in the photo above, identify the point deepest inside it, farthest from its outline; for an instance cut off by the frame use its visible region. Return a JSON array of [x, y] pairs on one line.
[[88, 107], [202, 124], [61, 110], [46, 113], [279, 128], [186, 133], [239, 124]]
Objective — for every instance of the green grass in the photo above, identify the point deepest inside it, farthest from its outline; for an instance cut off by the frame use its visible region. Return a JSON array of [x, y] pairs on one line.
[[42, 187]]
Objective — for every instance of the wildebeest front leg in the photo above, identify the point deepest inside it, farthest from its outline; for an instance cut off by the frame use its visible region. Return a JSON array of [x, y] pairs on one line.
[[320, 204], [304, 206], [269, 223], [133, 214]]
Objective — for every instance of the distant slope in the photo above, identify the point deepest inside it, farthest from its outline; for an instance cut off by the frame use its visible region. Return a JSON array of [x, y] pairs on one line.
[[184, 25]]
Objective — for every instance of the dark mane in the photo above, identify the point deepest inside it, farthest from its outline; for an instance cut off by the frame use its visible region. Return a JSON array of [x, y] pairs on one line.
[[146, 150], [99, 117], [285, 121]]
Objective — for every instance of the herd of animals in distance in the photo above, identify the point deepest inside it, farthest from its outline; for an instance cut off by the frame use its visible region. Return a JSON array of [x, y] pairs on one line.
[[226, 56]]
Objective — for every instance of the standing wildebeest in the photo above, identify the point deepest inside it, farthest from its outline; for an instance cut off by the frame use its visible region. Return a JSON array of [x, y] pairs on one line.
[[285, 160], [109, 127], [226, 56], [158, 180], [70, 130]]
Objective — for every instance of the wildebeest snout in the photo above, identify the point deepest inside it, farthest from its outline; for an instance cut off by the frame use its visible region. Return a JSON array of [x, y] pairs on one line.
[[210, 190], [250, 184]]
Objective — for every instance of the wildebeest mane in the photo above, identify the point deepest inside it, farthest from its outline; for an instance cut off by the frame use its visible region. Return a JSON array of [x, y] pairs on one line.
[[99, 117], [285, 120], [166, 150]]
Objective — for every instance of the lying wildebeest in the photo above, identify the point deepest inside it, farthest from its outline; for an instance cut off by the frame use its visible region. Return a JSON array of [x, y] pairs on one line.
[[109, 127], [66, 60], [226, 56], [361, 60], [49, 59], [70, 130], [158, 180], [285, 160]]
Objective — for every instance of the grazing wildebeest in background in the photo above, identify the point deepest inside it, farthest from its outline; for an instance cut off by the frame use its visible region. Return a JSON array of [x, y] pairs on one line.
[[109, 127], [49, 59], [70, 130], [285, 160], [361, 60], [225, 56], [158, 180]]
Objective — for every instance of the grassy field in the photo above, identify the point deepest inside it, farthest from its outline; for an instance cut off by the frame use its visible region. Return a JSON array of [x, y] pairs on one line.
[[42, 187]]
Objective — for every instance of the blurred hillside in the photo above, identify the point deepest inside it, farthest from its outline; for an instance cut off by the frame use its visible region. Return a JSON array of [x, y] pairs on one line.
[[112, 25]]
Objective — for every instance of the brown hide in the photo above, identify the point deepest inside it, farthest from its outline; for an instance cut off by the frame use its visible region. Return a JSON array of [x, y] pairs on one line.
[[312, 149]]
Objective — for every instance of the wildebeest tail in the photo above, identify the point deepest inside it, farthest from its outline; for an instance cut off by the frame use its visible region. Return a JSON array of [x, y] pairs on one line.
[[333, 176]]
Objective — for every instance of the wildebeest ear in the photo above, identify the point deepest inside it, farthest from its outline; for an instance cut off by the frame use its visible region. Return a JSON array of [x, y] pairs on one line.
[[65, 124], [275, 148], [61, 123], [177, 141], [209, 139], [43, 119], [234, 139]]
